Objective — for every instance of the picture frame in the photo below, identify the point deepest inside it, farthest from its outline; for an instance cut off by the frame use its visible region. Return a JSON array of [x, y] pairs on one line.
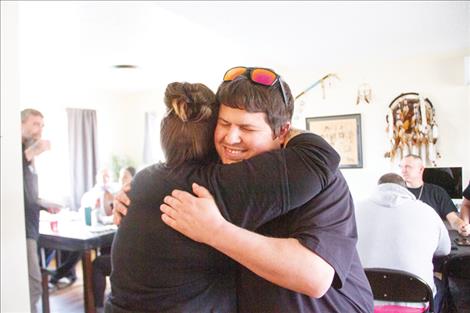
[[343, 132]]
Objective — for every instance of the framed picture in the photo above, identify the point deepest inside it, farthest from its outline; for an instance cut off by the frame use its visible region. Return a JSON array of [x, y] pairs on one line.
[[343, 132]]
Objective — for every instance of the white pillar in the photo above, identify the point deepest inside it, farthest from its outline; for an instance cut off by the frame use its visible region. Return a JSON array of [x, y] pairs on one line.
[[14, 269]]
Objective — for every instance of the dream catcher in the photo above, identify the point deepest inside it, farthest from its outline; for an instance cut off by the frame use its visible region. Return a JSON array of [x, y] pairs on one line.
[[412, 128]]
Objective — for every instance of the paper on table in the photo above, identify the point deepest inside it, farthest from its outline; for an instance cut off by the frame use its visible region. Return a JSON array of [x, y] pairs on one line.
[[101, 228]]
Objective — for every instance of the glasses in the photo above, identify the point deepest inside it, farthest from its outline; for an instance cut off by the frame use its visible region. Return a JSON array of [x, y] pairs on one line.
[[260, 76]]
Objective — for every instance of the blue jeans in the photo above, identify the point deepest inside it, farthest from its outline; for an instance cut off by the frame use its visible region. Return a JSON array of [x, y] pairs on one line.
[[440, 292]]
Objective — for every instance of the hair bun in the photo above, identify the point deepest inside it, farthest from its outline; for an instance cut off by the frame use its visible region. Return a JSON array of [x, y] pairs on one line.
[[190, 102]]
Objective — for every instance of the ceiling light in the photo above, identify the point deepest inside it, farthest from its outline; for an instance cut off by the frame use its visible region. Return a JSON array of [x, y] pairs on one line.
[[129, 66]]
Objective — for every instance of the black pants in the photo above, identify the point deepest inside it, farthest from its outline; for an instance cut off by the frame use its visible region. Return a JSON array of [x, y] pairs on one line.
[[69, 260], [101, 269], [439, 297]]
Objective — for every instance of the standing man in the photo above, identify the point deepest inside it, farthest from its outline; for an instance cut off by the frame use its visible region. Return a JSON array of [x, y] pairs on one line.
[[32, 146], [412, 169], [304, 261]]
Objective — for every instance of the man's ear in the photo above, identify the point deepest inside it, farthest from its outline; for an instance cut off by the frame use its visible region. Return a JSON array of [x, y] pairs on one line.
[[284, 132], [421, 167]]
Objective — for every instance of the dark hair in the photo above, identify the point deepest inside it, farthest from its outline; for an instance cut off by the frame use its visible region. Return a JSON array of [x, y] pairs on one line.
[[131, 170], [393, 179], [187, 130], [243, 94], [28, 112]]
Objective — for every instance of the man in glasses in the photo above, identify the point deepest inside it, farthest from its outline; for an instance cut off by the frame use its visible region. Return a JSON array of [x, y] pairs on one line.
[[304, 261]]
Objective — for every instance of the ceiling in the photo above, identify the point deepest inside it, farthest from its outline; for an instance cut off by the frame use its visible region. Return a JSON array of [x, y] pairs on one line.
[[79, 42]]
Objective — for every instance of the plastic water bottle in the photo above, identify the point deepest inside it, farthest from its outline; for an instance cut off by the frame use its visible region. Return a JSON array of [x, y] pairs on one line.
[[95, 212]]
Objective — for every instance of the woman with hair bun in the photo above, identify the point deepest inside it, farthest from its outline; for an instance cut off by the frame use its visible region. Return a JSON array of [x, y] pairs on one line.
[[157, 269]]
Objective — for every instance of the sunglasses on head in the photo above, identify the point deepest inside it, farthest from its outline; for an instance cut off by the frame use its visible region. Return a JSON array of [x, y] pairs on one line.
[[260, 76]]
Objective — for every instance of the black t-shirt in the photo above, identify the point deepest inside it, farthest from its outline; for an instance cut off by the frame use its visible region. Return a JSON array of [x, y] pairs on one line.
[[30, 194], [326, 226], [436, 197], [158, 269], [466, 192]]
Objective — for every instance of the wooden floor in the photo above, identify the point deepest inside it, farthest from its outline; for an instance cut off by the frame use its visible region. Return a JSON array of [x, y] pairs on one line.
[[70, 299]]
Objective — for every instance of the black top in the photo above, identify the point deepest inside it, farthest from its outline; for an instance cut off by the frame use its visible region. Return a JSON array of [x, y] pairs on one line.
[[156, 269], [466, 192], [436, 197], [325, 225], [30, 192]]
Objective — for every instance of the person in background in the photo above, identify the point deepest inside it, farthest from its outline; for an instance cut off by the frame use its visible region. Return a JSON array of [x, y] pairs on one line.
[[101, 194], [465, 208], [101, 198], [412, 169], [303, 261], [32, 146], [125, 175], [102, 263], [393, 241]]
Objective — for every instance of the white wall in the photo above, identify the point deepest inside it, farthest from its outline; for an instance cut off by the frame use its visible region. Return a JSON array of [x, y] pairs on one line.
[[439, 78], [14, 272]]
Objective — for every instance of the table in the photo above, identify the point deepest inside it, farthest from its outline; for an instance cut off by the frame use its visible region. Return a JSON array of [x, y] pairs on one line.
[[73, 235], [455, 250]]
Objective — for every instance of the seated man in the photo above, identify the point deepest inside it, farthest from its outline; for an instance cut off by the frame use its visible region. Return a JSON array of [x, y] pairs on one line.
[[405, 234], [412, 169], [101, 197]]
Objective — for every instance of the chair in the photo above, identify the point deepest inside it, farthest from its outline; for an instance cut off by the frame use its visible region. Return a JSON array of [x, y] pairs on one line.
[[456, 280], [399, 286]]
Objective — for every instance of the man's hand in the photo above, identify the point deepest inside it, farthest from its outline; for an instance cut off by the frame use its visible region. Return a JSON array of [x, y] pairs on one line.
[[120, 203], [195, 217], [37, 148], [458, 224], [53, 210], [49, 206], [464, 229]]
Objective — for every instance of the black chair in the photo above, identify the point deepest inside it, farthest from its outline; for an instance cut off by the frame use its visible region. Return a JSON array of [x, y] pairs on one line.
[[456, 280], [399, 286]]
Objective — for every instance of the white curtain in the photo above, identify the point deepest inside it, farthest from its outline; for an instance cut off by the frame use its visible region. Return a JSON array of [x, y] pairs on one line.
[[83, 152]]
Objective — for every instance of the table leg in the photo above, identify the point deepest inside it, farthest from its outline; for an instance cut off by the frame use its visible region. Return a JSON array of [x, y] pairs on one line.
[[87, 282], [45, 291]]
